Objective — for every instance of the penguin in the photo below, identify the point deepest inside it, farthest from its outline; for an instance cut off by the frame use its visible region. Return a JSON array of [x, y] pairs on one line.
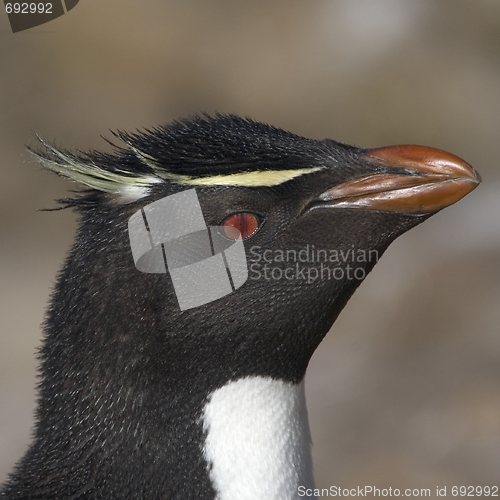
[[212, 256]]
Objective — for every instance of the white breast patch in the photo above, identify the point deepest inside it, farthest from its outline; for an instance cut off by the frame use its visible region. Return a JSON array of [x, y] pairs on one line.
[[258, 443]]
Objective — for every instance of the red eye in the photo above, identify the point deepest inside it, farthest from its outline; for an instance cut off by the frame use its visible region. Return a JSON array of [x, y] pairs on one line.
[[246, 223]]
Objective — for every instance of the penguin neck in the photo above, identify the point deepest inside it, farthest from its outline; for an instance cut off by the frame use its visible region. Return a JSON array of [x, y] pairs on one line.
[[258, 443], [125, 410]]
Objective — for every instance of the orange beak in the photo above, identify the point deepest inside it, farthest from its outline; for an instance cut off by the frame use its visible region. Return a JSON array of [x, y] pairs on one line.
[[435, 180]]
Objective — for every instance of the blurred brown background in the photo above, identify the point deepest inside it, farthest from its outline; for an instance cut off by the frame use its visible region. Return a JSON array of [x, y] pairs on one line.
[[405, 390]]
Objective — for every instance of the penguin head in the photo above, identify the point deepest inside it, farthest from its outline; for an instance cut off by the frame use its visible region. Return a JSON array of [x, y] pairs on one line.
[[313, 216]]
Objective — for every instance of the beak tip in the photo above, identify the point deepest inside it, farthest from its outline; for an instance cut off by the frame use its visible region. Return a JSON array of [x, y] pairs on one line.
[[478, 177]]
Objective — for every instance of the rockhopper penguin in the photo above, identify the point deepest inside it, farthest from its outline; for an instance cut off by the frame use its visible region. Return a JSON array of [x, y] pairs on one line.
[[140, 398]]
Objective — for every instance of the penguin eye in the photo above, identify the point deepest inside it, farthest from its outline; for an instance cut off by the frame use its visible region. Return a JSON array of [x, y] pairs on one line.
[[245, 222]]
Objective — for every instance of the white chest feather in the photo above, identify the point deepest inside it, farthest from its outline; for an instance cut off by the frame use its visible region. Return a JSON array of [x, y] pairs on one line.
[[258, 443]]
